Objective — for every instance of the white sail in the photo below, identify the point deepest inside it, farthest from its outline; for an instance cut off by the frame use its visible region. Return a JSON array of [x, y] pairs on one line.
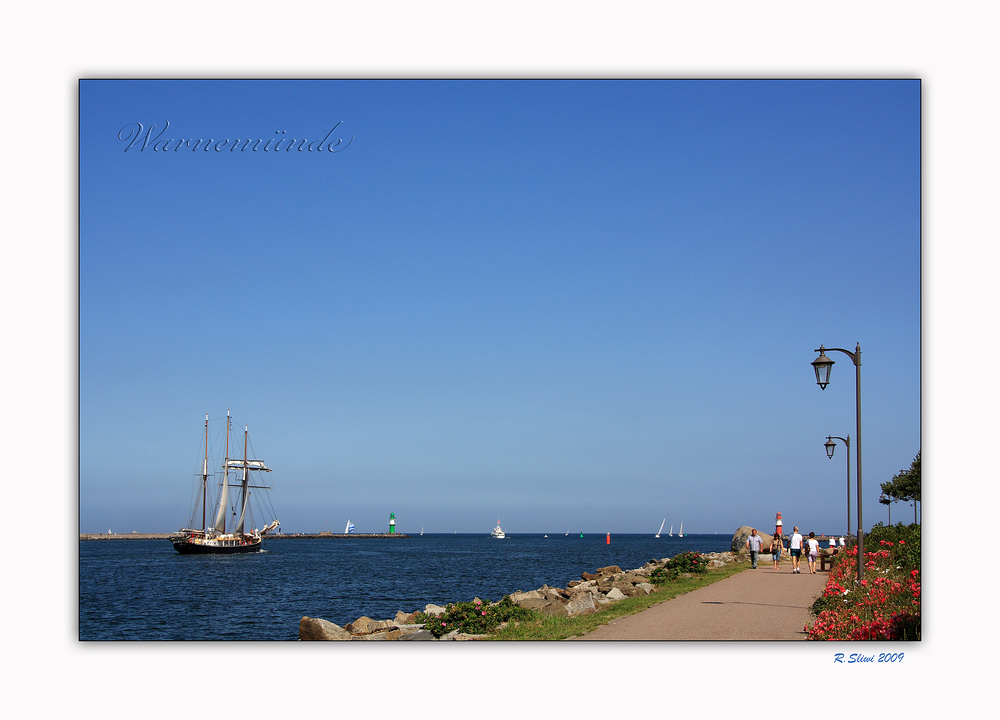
[[220, 517], [661, 527], [256, 465], [244, 497]]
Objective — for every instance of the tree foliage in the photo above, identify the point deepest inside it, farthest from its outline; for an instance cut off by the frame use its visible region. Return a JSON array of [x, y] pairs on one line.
[[905, 485]]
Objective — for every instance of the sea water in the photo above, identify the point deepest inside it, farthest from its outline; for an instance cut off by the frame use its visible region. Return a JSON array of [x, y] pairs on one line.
[[145, 590]]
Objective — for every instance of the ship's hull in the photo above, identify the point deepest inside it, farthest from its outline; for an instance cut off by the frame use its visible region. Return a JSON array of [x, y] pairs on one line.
[[188, 546]]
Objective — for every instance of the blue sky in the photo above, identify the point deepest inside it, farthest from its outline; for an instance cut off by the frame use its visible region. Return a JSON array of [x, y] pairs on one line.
[[581, 305]]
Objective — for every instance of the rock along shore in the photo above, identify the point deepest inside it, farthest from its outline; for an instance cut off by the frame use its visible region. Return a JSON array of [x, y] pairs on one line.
[[580, 597]]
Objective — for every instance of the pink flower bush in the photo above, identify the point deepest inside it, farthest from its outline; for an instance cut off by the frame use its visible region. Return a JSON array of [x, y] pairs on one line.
[[885, 605]]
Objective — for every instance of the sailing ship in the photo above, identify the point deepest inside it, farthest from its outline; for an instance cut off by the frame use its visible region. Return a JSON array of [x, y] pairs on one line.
[[671, 530], [681, 533], [350, 527], [498, 532], [215, 539], [661, 527]]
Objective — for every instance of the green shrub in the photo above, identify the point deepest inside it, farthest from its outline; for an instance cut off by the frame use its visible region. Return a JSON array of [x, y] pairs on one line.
[[905, 543], [477, 617], [685, 562]]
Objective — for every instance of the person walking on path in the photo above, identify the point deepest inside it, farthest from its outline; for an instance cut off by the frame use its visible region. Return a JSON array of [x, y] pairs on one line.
[[745, 606], [776, 550], [795, 548], [754, 544], [813, 544]]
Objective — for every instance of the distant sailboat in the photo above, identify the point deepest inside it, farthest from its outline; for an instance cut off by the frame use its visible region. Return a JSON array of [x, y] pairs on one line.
[[349, 529], [421, 531], [661, 527], [671, 530], [681, 533]]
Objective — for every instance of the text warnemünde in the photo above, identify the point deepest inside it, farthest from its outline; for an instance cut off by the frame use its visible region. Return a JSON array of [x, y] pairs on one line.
[[133, 135]]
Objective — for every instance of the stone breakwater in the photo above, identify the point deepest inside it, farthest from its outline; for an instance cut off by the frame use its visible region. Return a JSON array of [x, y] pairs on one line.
[[580, 597], [124, 536]]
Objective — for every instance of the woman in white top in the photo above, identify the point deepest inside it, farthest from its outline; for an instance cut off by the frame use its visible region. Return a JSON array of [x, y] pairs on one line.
[[813, 545]]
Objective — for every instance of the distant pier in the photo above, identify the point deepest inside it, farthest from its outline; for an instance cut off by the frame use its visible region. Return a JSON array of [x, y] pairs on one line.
[[323, 535], [268, 538]]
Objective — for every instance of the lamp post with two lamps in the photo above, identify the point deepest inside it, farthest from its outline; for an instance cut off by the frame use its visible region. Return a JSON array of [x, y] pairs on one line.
[[830, 447], [823, 365]]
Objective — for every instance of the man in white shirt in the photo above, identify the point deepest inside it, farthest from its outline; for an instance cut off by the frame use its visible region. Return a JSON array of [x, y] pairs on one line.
[[795, 548], [754, 544]]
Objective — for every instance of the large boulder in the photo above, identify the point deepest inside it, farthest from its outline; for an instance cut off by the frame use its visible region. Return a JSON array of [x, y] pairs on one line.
[[552, 593], [517, 597], [581, 604], [319, 629], [362, 626], [739, 544], [382, 634], [616, 594]]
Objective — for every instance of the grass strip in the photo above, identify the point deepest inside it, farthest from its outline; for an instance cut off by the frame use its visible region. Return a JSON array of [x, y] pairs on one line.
[[560, 628]]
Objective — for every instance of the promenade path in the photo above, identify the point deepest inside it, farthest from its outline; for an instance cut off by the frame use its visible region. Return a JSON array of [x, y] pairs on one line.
[[761, 604]]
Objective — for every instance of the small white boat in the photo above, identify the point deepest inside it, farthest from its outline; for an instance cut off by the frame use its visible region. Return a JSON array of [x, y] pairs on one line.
[[681, 533], [498, 532], [421, 531], [671, 530], [661, 527]]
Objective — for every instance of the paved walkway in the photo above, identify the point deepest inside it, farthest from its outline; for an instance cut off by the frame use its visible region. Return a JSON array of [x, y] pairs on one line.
[[761, 604]]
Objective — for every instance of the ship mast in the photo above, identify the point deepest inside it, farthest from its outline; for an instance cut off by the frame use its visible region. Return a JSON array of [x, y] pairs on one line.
[[204, 480], [220, 517], [246, 474]]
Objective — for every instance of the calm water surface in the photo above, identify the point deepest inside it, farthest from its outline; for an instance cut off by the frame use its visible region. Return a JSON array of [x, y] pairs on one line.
[[145, 590]]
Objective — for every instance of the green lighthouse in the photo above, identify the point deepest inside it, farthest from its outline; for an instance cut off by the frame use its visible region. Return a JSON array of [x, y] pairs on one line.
[[392, 523]]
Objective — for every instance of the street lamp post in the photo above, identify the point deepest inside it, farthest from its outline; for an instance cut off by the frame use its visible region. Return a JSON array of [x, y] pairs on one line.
[[830, 447], [823, 365]]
